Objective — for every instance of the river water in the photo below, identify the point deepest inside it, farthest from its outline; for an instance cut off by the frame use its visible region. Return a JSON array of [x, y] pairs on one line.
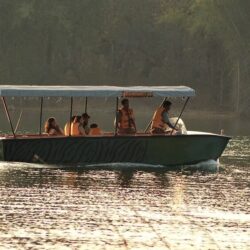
[[122, 206]]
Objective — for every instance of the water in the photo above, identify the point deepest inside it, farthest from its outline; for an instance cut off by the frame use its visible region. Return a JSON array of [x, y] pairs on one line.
[[123, 207]]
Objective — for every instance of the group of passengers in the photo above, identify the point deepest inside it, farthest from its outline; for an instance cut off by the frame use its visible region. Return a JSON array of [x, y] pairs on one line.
[[160, 120], [78, 126], [124, 122]]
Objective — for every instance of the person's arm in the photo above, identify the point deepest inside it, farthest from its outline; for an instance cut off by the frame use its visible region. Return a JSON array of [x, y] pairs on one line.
[[118, 117], [52, 131], [133, 121], [86, 129], [131, 118], [167, 121], [81, 130], [61, 131], [58, 130]]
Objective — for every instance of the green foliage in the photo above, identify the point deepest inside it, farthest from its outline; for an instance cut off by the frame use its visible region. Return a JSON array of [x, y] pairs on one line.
[[204, 43]]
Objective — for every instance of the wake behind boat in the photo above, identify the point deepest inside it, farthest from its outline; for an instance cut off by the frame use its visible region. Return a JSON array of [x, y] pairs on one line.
[[141, 147]]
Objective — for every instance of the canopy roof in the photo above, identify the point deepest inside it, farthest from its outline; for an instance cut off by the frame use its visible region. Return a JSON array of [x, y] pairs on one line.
[[98, 91]]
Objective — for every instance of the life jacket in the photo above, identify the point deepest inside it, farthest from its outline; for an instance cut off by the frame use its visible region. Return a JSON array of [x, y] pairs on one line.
[[126, 118], [95, 131], [66, 128], [75, 129], [157, 120]]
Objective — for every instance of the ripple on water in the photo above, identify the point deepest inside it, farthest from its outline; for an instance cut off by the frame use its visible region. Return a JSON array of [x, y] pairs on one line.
[[126, 208]]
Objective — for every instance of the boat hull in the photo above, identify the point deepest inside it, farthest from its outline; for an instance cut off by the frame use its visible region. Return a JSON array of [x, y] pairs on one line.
[[163, 150]]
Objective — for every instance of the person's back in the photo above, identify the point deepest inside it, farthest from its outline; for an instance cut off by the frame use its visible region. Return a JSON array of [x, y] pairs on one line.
[[85, 122], [157, 120], [66, 129], [126, 119], [94, 130], [67, 126], [76, 127], [52, 128]]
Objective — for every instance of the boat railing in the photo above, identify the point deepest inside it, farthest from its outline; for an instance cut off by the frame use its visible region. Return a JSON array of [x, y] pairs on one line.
[[44, 135]]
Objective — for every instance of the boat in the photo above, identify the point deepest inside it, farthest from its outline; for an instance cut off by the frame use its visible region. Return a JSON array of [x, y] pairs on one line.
[[141, 148]]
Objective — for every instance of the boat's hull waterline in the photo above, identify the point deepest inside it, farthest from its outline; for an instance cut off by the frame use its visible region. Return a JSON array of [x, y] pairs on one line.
[[163, 150]]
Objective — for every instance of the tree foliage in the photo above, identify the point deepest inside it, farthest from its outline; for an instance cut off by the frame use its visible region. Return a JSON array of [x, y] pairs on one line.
[[204, 43]]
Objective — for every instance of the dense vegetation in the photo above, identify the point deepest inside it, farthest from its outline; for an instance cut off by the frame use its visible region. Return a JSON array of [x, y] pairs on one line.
[[202, 43]]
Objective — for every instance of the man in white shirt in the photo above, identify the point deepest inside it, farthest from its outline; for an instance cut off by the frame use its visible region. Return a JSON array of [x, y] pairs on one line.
[[161, 119]]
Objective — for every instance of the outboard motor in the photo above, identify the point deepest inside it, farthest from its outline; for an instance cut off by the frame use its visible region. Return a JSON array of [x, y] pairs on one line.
[[180, 125]]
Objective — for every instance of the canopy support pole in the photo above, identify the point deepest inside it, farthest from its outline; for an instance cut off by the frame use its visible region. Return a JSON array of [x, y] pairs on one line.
[[116, 115], [41, 116], [86, 104], [70, 115], [18, 121], [8, 116], [185, 104], [149, 124]]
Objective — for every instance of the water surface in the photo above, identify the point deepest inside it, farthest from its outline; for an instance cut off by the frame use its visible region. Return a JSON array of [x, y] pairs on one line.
[[123, 207]]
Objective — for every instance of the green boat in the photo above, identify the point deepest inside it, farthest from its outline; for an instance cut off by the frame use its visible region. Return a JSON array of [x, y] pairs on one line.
[[143, 147]]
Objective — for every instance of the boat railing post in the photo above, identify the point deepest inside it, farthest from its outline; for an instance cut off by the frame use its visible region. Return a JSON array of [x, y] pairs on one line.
[[18, 121], [8, 115], [41, 116], [149, 124], [116, 115], [185, 104], [70, 116], [86, 104]]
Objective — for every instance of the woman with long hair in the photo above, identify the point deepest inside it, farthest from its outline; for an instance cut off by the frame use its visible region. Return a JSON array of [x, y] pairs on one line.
[[52, 128]]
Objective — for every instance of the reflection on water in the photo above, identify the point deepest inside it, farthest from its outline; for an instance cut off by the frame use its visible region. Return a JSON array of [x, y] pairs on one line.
[[199, 207], [239, 151]]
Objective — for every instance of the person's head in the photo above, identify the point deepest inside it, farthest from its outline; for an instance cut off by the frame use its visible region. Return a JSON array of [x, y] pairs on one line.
[[78, 119], [93, 125], [72, 118], [49, 124], [85, 118], [125, 103], [167, 105]]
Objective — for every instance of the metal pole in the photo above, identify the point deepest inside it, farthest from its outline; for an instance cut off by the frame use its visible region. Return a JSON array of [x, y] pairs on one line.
[[18, 121], [185, 104], [145, 131], [86, 104], [116, 115], [41, 116], [8, 116], [71, 108]]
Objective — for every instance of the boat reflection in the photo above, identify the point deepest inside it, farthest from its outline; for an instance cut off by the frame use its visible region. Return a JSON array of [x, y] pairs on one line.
[[88, 176]]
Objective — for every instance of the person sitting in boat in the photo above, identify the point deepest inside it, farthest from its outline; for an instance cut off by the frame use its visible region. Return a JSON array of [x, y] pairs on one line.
[[161, 119], [85, 118], [67, 125], [52, 128], [94, 130], [77, 126], [125, 119]]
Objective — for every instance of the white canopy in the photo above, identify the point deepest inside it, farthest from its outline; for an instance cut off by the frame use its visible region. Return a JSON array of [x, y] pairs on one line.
[[98, 91]]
